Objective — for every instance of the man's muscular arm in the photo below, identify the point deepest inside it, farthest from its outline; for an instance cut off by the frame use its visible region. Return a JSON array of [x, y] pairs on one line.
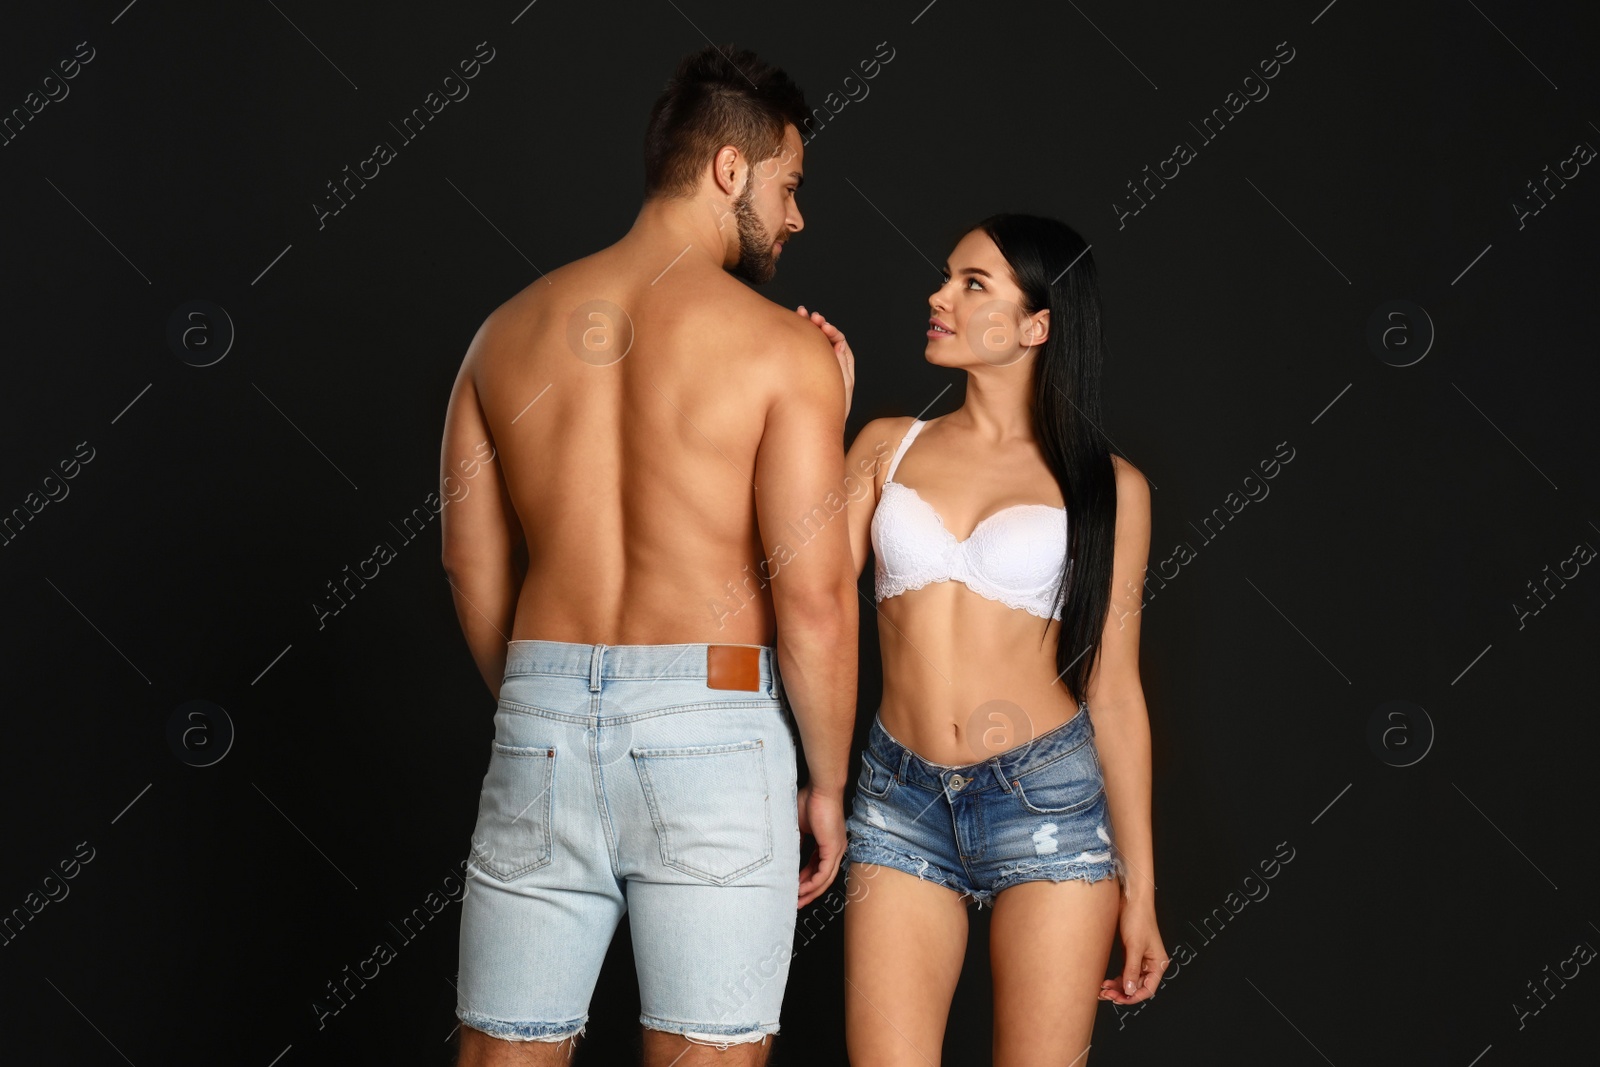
[[800, 486], [483, 545]]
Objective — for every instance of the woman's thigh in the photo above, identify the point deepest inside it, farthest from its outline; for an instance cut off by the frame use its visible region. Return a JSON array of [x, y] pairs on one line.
[[1049, 943], [904, 942]]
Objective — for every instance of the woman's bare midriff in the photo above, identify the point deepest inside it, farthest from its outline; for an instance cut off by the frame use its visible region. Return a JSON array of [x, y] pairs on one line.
[[966, 678]]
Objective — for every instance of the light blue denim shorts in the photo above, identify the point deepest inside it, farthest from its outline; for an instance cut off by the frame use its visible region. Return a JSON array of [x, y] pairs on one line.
[[620, 782], [1033, 812]]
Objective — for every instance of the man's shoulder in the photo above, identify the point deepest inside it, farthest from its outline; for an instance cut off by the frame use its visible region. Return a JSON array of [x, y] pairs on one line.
[[551, 293], [777, 339], [719, 294], [550, 286], [799, 358], [796, 334], [519, 305]]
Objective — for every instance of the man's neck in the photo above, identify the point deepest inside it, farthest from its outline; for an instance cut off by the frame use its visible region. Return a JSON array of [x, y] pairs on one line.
[[688, 226]]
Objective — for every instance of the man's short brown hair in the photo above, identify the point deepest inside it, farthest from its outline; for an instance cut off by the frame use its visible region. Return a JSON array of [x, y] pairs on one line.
[[718, 96]]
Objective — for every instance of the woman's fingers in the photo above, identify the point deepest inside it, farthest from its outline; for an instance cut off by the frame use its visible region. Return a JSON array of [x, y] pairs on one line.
[[814, 316], [835, 336], [1140, 977]]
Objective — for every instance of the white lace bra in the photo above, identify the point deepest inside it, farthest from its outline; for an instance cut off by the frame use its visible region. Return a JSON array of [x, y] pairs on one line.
[[1015, 555]]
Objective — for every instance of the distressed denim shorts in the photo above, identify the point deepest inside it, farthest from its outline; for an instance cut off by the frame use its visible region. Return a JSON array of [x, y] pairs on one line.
[[619, 782], [1033, 812]]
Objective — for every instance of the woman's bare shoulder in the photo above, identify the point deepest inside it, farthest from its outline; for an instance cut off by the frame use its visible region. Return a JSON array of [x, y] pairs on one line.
[[874, 446], [1133, 492]]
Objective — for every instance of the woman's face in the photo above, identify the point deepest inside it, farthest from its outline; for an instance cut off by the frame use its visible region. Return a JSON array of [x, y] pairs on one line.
[[977, 316]]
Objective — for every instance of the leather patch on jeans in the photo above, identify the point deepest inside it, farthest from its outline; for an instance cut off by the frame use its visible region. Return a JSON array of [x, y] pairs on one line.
[[733, 667]]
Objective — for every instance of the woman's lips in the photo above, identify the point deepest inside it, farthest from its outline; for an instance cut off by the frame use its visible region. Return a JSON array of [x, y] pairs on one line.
[[939, 329]]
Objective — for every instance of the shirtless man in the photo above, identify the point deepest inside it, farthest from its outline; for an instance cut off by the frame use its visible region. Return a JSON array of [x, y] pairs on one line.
[[644, 465]]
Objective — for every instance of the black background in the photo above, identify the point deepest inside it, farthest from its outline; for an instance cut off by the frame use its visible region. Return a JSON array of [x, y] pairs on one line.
[[1385, 564]]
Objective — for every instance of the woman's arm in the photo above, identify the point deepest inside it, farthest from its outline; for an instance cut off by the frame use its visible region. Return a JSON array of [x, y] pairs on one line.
[[1122, 738]]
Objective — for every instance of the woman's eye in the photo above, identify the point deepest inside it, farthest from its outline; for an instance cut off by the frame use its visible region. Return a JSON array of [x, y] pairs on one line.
[[976, 284]]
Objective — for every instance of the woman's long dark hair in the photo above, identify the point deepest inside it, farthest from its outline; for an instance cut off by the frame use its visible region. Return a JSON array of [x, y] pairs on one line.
[[1053, 267]]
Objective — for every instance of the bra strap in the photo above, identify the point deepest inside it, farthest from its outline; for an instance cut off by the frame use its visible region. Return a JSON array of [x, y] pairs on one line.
[[894, 464]]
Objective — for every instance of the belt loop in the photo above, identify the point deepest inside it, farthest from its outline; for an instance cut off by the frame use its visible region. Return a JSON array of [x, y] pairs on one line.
[[595, 656], [999, 771], [771, 656]]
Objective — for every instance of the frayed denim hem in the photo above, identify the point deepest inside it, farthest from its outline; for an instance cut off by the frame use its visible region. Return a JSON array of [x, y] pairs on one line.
[[1090, 870], [913, 865], [507, 1031], [719, 1035]]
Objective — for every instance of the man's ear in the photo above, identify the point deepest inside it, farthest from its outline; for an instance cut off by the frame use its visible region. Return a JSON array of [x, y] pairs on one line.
[[1036, 328], [727, 169]]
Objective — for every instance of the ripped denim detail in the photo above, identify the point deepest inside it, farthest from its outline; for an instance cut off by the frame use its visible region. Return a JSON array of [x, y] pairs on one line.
[[717, 1035], [530, 1031], [910, 863]]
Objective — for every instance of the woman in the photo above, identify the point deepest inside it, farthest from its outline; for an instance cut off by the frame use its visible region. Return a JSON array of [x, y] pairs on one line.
[[1009, 761]]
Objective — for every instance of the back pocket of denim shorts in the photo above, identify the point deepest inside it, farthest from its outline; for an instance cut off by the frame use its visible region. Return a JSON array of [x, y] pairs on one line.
[[710, 807], [1070, 782], [512, 836]]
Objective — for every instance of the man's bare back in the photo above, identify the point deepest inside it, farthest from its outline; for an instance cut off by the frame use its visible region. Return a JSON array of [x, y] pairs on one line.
[[626, 396]]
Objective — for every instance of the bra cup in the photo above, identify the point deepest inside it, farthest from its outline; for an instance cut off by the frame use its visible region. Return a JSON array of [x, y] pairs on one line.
[[1015, 555], [907, 539], [1020, 553]]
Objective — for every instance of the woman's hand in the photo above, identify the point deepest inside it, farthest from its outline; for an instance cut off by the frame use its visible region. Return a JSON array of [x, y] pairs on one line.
[[841, 349], [1145, 958]]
